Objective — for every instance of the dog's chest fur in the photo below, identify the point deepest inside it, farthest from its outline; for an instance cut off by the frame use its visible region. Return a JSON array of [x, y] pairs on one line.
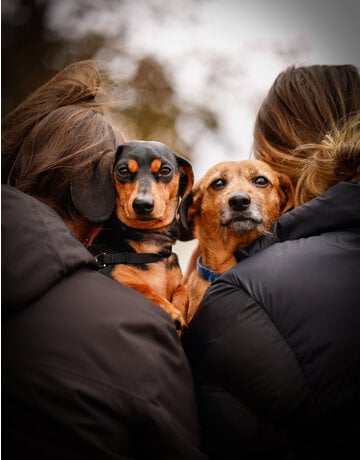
[[117, 238]]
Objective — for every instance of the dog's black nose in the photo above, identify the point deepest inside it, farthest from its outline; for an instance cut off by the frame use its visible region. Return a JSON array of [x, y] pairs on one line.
[[239, 201], [143, 205]]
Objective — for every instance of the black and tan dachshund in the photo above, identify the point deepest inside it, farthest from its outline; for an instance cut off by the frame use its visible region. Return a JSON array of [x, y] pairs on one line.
[[141, 189]]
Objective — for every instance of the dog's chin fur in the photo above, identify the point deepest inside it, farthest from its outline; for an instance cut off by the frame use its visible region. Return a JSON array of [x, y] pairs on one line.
[[145, 223], [241, 222], [238, 225]]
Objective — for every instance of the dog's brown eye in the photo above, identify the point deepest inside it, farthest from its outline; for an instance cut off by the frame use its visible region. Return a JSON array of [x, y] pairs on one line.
[[123, 172], [165, 171], [261, 181], [218, 184]]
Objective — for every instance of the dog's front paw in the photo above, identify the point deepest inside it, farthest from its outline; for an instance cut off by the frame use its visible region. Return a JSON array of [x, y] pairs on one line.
[[178, 319], [180, 323]]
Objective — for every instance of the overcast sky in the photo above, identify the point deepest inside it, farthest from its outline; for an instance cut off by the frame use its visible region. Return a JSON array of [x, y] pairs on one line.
[[260, 38], [331, 27]]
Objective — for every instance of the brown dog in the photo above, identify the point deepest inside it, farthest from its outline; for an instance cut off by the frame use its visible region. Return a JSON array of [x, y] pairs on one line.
[[143, 193], [232, 205]]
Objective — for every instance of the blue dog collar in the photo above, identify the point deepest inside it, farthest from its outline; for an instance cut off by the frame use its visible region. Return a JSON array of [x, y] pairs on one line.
[[206, 273]]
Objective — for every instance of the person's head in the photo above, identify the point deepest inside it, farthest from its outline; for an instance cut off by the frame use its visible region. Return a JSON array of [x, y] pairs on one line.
[[308, 127], [57, 135]]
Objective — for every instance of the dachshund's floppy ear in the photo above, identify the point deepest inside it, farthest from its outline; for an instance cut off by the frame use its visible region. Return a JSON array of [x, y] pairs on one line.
[[185, 227], [287, 193], [185, 187], [190, 208], [186, 176], [93, 194]]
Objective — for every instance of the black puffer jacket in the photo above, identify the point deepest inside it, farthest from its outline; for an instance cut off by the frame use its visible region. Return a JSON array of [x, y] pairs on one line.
[[275, 346], [90, 368]]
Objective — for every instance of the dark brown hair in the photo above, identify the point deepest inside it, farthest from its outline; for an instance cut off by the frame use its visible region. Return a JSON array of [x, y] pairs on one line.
[[305, 108], [56, 135]]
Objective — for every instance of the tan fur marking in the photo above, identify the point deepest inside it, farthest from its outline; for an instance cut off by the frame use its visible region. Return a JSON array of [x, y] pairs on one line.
[[133, 166], [165, 199], [155, 165], [164, 290]]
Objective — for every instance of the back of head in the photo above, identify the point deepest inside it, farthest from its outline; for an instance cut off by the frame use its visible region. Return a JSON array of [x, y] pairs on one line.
[[306, 107], [335, 159], [55, 135]]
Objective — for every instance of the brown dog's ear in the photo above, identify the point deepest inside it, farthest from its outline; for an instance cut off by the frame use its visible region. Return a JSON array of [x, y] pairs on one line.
[[93, 194], [287, 193]]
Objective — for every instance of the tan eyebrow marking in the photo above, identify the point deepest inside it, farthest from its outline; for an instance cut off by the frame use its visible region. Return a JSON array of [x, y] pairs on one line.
[[155, 165], [133, 166]]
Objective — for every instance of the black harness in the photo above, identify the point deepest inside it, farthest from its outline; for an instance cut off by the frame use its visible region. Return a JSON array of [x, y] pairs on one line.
[[104, 259], [110, 247]]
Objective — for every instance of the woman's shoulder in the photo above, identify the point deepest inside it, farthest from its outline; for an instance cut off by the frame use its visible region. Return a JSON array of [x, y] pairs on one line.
[[100, 332]]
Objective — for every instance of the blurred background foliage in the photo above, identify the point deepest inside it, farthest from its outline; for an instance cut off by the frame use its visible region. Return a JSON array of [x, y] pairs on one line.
[[33, 49], [189, 73]]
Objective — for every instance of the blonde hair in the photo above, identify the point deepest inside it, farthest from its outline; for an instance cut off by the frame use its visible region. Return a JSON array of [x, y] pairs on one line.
[[335, 159], [56, 135], [307, 107]]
